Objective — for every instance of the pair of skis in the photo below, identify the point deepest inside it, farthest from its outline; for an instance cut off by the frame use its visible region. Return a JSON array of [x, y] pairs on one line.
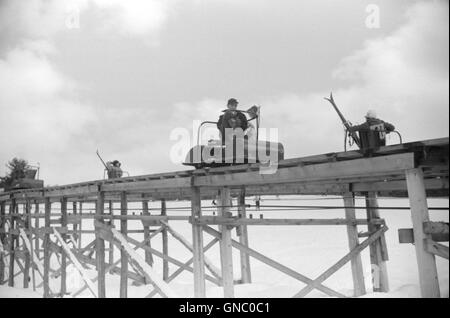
[[346, 123]]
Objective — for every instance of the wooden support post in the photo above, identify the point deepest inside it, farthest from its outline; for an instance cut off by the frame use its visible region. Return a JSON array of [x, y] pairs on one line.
[[47, 248], [123, 253], [81, 226], [12, 210], [63, 255], [197, 244], [165, 243], [243, 239], [148, 254], [36, 226], [100, 247], [110, 243], [428, 277], [27, 258], [75, 225], [378, 252], [359, 287], [2, 240], [226, 252]]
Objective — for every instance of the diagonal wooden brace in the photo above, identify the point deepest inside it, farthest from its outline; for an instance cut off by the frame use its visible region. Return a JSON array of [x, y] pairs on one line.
[[316, 283]]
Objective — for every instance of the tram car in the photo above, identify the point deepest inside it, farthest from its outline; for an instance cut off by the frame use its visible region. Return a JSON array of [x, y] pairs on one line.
[[240, 150]]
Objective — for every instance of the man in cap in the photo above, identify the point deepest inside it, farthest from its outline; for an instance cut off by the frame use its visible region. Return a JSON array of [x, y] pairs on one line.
[[231, 118], [373, 132]]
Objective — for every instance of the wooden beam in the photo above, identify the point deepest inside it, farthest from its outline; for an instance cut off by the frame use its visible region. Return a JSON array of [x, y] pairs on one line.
[[47, 249], [146, 212], [2, 240], [233, 221], [407, 236], [123, 253], [359, 287], [165, 243], [270, 262], [397, 185], [378, 251], [246, 273], [63, 255], [226, 252], [428, 277], [111, 222], [100, 247], [436, 228], [146, 185], [436, 248], [27, 258], [197, 242], [81, 226], [74, 224], [36, 226], [344, 260], [12, 209], [365, 167]]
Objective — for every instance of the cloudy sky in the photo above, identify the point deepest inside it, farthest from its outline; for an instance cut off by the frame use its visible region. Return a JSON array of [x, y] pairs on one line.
[[120, 76]]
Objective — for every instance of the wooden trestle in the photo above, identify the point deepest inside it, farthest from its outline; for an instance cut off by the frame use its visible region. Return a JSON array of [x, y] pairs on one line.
[[416, 170]]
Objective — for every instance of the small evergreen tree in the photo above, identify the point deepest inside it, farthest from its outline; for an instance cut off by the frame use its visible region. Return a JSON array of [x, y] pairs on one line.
[[17, 169]]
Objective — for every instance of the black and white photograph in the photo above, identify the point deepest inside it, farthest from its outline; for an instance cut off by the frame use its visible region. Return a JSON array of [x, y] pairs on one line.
[[225, 153]]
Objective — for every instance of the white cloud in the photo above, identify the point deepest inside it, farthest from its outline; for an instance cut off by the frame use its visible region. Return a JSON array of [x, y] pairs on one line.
[[135, 16], [45, 18]]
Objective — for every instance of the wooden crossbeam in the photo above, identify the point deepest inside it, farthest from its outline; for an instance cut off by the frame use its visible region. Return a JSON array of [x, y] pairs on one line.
[[268, 261], [407, 236], [436, 228], [344, 260], [234, 221], [394, 164], [436, 248]]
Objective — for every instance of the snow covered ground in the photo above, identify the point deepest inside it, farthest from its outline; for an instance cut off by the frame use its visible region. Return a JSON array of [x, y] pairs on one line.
[[309, 250]]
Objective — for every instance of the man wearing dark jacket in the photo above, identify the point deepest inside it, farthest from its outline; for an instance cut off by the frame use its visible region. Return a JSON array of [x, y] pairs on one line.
[[373, 132], [231, 118], [114, 170]]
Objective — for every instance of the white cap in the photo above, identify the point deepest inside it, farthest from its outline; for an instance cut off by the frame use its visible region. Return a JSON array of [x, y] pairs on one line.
[[371, 114]]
